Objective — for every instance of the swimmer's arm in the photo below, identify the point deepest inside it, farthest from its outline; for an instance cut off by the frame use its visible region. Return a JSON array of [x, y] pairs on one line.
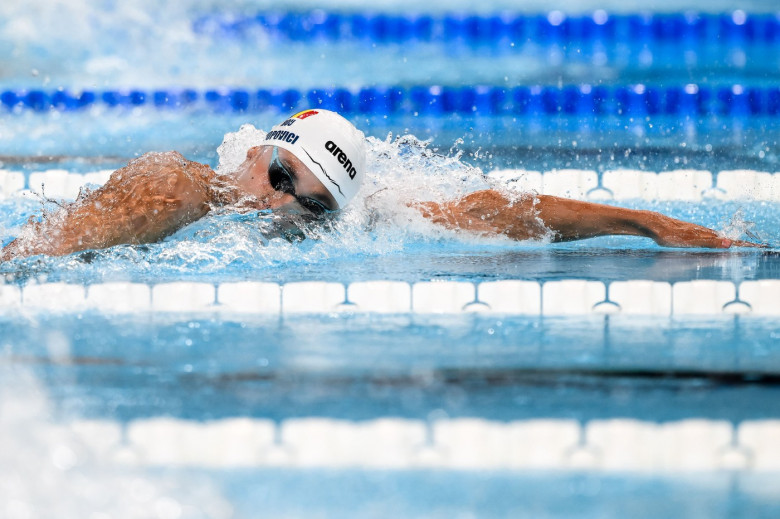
[[150, 198], [490, 212]]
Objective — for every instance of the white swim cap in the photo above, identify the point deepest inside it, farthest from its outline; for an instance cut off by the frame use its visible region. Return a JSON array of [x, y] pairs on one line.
[[329, 145]]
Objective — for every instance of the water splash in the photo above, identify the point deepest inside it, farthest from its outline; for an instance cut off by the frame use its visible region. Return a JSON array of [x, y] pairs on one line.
[[232, 151], [738, 227], [401, 170]]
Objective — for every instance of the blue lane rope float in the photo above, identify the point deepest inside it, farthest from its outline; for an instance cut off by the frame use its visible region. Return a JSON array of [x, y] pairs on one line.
[[635, 101], [317, 25]]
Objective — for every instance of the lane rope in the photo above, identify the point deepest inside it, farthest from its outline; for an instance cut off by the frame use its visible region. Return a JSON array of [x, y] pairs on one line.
[[631, 101], [688, 185], [518, 297], [736, 28], [389, 443]]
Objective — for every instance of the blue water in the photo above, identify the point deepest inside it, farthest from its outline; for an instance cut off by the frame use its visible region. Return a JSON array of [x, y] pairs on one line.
[[353, 367], [230, 248], [108, 140], [497, 494]]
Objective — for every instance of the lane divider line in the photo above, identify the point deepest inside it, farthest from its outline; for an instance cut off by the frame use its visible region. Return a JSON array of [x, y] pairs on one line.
[[611, 445], [678, 185], [568, 297], [689, 29]]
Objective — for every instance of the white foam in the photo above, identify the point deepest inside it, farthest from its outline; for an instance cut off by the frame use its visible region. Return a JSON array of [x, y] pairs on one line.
[[232, 151]]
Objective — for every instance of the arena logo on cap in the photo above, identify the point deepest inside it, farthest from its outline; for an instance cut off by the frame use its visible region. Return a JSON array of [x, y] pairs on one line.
[[333, 148], [304, 114]]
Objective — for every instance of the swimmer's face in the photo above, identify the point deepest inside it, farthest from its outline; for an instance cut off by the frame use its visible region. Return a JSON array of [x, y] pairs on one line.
[[285, 183]]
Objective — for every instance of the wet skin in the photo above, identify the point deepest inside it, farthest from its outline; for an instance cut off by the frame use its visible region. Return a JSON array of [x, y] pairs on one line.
[[534, 216], [158, 193], [252, 178]]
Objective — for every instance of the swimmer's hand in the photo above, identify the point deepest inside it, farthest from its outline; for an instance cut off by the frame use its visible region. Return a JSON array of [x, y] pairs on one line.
[[669, 232]]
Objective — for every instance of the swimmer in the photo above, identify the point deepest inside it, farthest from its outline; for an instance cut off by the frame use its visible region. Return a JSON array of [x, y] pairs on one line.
[[313, 163]]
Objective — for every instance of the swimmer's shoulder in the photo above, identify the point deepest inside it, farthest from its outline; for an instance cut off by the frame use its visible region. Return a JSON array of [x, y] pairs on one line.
[[167, 159], [166, 163]]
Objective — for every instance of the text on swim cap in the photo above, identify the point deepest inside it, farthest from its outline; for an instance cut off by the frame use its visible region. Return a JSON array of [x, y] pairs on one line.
[[282, 135], [341, 157]]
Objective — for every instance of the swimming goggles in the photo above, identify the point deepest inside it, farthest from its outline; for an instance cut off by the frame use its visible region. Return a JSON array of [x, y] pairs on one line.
[[282, 180]]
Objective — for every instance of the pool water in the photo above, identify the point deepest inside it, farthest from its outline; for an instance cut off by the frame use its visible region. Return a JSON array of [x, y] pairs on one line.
[[382, 366], [353, 367]]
